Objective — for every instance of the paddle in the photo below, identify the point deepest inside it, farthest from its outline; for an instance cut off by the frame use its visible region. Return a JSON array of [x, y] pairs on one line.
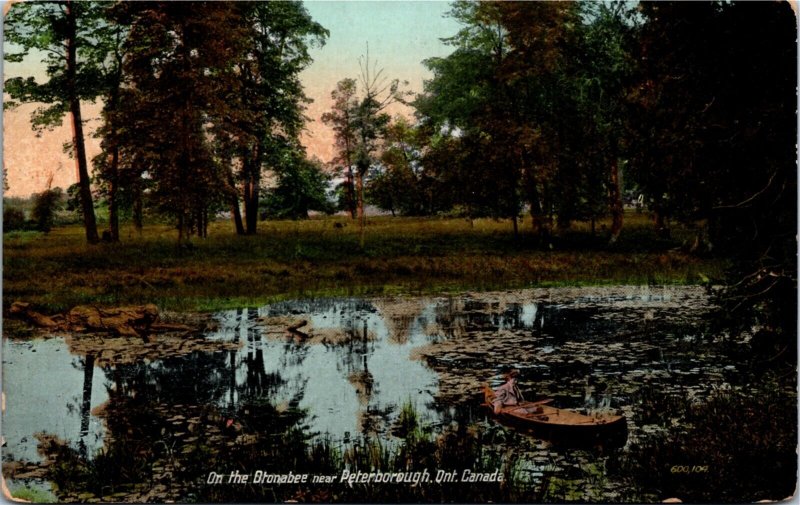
[[527, 405]]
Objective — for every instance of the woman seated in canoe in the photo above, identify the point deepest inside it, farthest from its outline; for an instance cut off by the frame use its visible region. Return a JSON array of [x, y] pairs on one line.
[[508, 393]]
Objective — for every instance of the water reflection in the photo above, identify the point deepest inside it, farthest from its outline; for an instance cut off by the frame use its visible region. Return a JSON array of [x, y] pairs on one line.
[[46, 390], [350, 366]]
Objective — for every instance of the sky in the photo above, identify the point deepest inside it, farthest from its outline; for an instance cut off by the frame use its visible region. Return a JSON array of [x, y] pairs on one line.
[[399, 34]]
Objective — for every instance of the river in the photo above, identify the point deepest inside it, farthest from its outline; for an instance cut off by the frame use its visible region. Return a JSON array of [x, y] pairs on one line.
[[349, 368]]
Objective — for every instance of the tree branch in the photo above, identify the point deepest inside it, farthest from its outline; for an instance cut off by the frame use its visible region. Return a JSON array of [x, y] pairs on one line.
[[748, 200]]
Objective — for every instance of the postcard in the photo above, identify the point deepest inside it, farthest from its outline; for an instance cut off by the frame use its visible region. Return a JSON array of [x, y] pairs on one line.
[[406, 251]]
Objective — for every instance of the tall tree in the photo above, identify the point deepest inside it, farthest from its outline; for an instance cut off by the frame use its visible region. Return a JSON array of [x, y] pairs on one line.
[[363, 118], [178, 63], [340, 119], [602, 83], [269, 97], [110, 36], [715, 111], [64, 32]]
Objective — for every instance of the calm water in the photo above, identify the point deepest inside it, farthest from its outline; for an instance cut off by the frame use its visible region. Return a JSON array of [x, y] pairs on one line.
[[353, 364]]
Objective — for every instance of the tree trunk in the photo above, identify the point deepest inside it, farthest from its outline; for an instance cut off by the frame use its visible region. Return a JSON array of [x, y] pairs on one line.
[[236, 215], [113, 205], [113, 176], [251, 191], [662, 230], [182, 228], [251, 205], [350, 194], [138, 209], [89, 222], [516, 227], [538, 221], [615, 197], [362, 221]]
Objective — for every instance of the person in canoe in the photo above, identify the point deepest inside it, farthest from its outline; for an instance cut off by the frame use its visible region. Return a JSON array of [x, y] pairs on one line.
[[508, 393]]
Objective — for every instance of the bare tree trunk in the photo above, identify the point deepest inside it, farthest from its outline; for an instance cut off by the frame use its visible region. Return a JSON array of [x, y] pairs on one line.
[[251, 192], [538, 220], [362, 221], [89, 222], [236, 215], [662, 230], [615, 197], [251, 205], [138, 212], [113, 205]]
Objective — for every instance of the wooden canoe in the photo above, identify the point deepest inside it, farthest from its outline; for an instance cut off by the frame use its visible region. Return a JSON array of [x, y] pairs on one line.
[[550, 421]]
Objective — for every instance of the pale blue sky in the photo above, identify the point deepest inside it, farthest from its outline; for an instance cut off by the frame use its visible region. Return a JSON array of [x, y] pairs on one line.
[[400, 35]]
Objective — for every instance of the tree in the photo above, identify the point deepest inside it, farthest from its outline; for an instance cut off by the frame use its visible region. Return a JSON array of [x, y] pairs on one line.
[[362, 119], [110, 36], [340, 118], [397, 183], [44, 208], [496, 95], [605, 76], [715, 112], [302, 187], [269, 98], [179, 73], [64, 32]]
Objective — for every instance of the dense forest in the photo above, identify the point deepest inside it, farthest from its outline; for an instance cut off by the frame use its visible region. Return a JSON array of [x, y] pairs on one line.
[[566, 111]]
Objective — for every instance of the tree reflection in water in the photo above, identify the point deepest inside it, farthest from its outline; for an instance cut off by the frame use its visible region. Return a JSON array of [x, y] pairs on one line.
[[269, 405]]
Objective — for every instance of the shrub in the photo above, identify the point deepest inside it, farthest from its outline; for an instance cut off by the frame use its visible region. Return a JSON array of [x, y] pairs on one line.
[[45, 205], [13, 219]]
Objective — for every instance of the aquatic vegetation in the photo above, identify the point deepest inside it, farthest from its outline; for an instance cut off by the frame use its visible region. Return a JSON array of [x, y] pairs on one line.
[[400, 396]]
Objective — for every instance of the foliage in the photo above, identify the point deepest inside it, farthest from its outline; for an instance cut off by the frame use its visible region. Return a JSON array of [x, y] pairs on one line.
[[399, 183], [44, 208], [714, 115], [302, 187], [66, 35], [13, 219], [734, 447]]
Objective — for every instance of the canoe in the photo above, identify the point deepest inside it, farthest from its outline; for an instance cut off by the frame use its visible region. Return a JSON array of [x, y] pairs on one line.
[[552, 422]]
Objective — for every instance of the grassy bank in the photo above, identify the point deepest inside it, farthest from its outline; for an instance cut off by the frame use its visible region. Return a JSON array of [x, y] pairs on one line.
[[322, 257]]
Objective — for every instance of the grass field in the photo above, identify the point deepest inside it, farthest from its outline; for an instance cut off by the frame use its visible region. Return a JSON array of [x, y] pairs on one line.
[[290, 259]]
